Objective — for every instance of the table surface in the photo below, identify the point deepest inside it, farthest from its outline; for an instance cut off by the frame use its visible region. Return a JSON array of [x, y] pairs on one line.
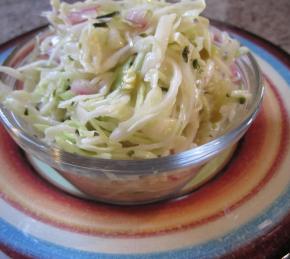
[[269, 19]]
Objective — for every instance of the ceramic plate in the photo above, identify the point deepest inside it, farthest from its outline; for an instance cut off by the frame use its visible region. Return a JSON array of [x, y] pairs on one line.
[[243, 212]]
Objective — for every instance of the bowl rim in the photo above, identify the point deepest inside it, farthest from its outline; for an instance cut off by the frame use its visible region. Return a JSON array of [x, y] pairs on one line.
[[194, 156]]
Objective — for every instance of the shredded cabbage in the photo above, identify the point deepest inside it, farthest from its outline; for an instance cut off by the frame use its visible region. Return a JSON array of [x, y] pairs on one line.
[[128, 79]]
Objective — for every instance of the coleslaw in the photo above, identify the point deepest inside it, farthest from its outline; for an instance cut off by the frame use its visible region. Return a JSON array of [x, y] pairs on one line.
[[128, 79]]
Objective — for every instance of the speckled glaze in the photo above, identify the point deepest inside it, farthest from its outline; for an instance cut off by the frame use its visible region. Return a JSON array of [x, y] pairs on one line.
[[269, 19], [242, 213]]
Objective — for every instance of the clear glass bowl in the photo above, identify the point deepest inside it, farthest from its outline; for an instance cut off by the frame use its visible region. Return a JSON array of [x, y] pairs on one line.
[[133, 181]]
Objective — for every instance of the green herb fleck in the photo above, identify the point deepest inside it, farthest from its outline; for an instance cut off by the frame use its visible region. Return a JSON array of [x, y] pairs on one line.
[[195, 64], [70, 58], [228, 95], [132, 59], [185, 53], [242, 100], [37, 106], [142, 34], [96, 134], [77, 132], [109, 15], [164, 88], [26, 112], [131, 153], [100, 25]]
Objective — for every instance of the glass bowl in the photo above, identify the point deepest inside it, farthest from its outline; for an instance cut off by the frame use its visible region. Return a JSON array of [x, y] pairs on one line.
[[133, 181]]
